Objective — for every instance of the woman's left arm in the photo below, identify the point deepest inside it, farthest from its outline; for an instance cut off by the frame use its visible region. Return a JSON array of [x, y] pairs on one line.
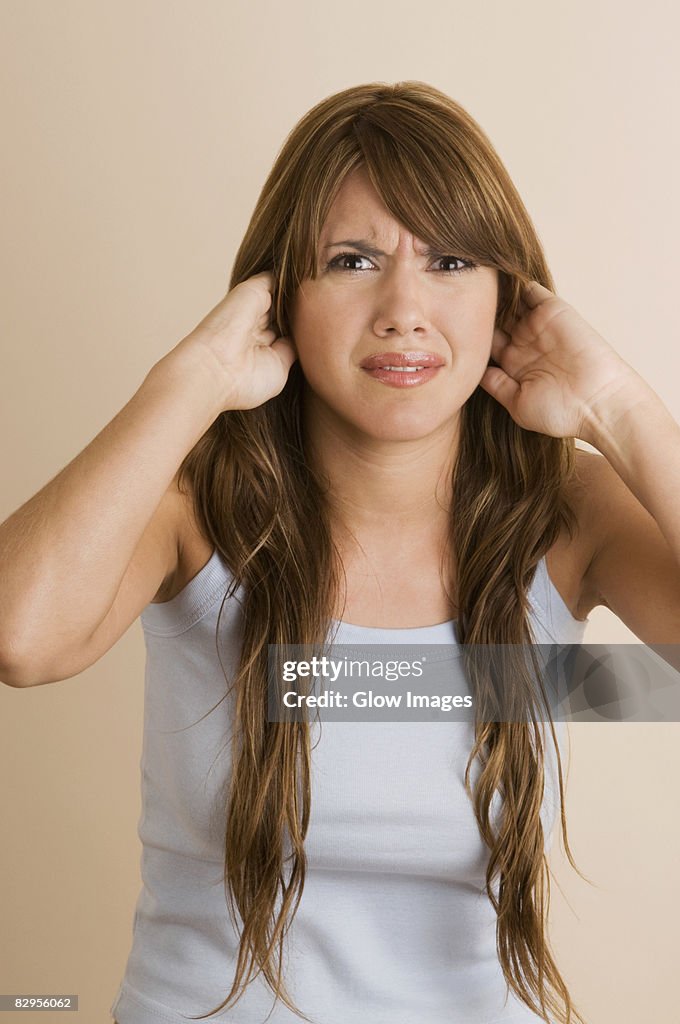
[[636, 563], [558, 376]]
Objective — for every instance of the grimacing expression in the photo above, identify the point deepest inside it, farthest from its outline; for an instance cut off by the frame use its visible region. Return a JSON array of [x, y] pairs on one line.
[[384, 293]]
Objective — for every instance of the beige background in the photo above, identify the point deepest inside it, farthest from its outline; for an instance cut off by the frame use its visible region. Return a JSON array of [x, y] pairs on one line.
[[136, 138]]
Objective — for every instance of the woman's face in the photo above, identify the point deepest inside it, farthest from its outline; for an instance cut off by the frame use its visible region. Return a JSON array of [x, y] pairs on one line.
[[395, 300]]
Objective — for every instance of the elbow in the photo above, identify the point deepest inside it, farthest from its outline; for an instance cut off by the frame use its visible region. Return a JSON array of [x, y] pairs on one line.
[[15, 675], [14, 670], [12, 675], [21, 672]]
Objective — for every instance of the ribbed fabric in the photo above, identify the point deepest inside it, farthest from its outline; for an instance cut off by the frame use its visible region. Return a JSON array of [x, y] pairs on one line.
[[393, 926]]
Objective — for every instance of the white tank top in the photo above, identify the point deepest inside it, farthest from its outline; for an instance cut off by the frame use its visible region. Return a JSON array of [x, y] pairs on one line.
[[394, 926]]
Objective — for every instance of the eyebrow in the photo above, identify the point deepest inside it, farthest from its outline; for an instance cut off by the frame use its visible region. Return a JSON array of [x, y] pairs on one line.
[[361, 243]]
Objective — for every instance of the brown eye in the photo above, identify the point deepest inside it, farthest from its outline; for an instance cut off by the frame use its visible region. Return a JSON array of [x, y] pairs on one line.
[[464, 264], [346, 256]]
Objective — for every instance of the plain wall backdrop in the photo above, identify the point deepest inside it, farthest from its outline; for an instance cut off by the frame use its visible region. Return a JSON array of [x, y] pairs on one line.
[[136, 137]]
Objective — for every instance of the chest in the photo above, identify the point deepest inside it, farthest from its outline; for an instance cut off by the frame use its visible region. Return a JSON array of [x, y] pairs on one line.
[[411, 589], [399, 593], [412, 583], [417, 589]]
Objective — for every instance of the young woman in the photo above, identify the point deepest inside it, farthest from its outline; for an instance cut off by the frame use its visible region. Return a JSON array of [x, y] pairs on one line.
[[274, 481]]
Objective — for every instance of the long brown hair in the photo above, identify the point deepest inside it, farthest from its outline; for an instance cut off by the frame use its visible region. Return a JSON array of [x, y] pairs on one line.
[[258, 499]]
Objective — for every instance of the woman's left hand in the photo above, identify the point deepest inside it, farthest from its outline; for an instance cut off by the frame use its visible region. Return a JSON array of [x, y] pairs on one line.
[[555, 371]]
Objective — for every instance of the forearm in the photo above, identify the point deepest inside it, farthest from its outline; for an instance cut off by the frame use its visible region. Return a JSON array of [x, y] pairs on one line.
[[64, 552], [638, 436]]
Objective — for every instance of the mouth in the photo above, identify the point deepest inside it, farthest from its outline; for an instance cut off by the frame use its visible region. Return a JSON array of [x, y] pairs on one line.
[[401, 369], [402, 362], [402, 376]]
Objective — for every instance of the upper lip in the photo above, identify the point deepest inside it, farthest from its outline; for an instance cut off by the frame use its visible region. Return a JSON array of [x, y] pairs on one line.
[[401, 359]]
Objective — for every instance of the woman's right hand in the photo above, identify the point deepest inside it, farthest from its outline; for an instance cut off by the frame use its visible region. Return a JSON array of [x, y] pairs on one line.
[[235, 343]]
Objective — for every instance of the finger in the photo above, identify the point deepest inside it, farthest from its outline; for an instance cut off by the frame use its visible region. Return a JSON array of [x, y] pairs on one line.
[[500, 386], [286, 350], [268, 336], [499, 342], [534, 293]]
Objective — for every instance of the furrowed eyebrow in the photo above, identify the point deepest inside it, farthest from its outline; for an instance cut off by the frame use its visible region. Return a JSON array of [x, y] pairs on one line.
[[370, 250]]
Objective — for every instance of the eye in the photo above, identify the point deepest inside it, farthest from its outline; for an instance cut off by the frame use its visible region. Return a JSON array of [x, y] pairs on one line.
[[465, 264], [335, 263]]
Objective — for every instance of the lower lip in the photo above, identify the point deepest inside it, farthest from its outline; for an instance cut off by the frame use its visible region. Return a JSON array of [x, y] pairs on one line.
[[398, 379]]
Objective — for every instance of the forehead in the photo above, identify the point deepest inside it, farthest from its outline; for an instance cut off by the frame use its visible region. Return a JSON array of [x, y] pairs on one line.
[[357, 208]]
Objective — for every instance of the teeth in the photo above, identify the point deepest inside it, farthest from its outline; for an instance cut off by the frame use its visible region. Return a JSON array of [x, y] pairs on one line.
[[403, 369]]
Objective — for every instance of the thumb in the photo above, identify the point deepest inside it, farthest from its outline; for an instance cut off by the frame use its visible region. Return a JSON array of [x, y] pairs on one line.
[[285, 348]]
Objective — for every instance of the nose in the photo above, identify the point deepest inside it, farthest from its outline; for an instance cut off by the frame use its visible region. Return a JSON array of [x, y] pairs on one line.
[[400, 302]]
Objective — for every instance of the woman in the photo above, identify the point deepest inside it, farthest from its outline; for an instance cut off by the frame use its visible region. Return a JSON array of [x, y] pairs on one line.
[[373, 875]]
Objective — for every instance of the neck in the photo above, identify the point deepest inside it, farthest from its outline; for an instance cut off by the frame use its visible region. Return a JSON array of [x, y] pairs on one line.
[[382, 488]]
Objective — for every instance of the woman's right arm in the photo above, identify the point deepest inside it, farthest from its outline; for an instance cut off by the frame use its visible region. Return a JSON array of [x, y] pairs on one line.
[[82, 558], [64, 552]]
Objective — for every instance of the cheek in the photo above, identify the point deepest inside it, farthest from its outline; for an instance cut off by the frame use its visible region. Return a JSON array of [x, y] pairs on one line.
[[316, 352], [322, 336], [473, 330], [313, 344]]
